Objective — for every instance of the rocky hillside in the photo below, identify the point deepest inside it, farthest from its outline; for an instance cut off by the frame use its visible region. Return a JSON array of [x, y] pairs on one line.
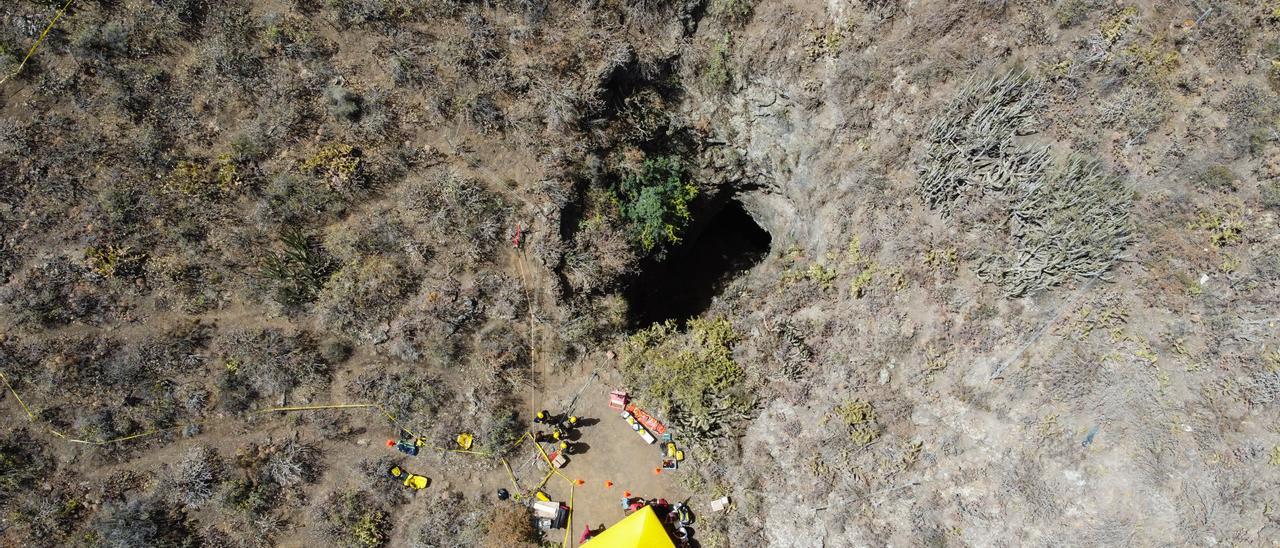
[[899, 272]]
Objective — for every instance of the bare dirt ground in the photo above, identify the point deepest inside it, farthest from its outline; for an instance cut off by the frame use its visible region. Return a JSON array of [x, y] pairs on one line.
[[614, 453]]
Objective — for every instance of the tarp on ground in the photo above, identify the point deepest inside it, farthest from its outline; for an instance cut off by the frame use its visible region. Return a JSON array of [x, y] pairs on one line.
[[642, 529]]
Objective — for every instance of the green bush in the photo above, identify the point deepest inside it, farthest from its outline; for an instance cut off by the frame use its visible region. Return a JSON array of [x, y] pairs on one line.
[[500, 428], [859, 417], [209, 179], [737, 11], [351, 518], [22, 463], [1070, 13], [690, 378], [294, 199], [251, 496], [339, 165], [655, 202], [717, 76], [47, 295], [10, 56], [1271, 195], [298, 271], [1217, 178]]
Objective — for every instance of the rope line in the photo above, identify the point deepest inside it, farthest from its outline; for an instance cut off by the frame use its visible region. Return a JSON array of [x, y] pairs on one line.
[[533, 351], [39, 40], [293, 408], [520, 492], [31, 416], [568, 526]]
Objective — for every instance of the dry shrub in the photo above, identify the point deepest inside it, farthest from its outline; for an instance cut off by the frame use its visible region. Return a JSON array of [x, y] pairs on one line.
[[145, 522], [971, 149], [267, 362], [509, 526], [408, 394], [601, 254], [365, 293], [192, 482], [454, 521], [1073, 223], [458, 212]]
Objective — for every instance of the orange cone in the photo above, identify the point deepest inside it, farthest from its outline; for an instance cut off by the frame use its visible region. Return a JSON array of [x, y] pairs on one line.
[[391, 443], [608, 484], [626, 494], [657, 470], [578, 482]]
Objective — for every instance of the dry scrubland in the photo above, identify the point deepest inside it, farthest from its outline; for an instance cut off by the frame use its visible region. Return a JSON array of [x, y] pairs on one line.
[[1021, 283]]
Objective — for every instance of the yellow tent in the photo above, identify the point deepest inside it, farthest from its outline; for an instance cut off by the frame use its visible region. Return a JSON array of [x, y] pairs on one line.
[[641, 529]]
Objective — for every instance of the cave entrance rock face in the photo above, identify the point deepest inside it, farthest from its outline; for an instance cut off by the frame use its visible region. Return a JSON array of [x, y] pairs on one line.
[[684, 283]]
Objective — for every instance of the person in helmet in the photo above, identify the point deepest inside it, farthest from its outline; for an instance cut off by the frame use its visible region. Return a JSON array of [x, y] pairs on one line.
[[569, 422], [566, 448]]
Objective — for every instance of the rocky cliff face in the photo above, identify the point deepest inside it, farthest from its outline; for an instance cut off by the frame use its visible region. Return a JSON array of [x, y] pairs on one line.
[[995, 417]]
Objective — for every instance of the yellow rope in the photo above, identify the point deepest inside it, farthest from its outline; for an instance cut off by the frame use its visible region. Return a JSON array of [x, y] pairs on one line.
[[314, 407], [286, 409], [36, 45], [512, 475], [533, 351], [283, 409], [519, 492], [16, 396], [568, 526]]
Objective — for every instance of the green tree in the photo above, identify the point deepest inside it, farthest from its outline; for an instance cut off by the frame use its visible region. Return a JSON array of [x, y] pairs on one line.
[[655, 201]]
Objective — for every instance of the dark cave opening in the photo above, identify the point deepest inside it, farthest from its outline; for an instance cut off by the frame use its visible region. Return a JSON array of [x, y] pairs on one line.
[[683, 284]]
